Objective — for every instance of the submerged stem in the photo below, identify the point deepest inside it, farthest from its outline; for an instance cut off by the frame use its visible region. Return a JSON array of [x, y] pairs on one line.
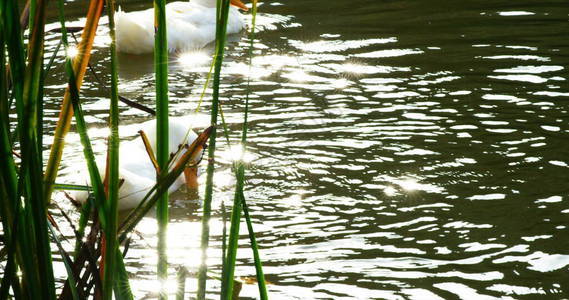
[[162, 155], [221, 28]]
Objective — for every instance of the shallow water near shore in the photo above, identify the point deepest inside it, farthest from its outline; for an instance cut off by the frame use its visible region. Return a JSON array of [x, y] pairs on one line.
[[397, 149]]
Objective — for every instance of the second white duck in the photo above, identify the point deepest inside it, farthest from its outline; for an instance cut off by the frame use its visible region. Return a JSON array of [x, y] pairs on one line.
[[190, 25]]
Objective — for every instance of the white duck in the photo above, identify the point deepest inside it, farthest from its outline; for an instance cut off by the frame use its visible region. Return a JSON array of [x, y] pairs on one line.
[[190, 25], [136, 169]]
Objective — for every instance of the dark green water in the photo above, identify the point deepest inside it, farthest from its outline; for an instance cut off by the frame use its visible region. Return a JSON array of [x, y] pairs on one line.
[[399, 149]]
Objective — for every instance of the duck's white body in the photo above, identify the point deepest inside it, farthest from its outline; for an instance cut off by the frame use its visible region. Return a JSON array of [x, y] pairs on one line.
[[190, 25], [136, 169]]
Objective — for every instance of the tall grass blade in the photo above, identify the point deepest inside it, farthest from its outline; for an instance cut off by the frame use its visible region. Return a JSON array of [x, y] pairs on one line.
[[9, 178], [80, 63], [263, 294], [71, 187], [101, 203], [121, 284], [9, 174], [232, 244], [240, 204], [162, 151], [220, 37], [13, 217], [261, 283], [113, 167], [83, 219], [68, 265], [35, 209]]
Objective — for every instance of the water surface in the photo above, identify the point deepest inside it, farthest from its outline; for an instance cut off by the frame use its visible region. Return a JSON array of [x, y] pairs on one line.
[[398, 149]]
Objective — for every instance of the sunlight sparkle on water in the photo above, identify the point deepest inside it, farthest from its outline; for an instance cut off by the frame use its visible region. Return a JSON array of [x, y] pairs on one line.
[[298, 76], [236, 153], [341, 83], [390, 191], [352, 68], [72, 51], [277, 62], [168, 287], [248, 71], [409, 184], [294, 200], [224, 179], [193, 59]]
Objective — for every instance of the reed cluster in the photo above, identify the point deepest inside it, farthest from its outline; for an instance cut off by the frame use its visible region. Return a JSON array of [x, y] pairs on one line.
[[31, 235]]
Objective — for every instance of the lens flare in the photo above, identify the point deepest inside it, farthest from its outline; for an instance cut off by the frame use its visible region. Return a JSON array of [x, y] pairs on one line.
[[72, 51]]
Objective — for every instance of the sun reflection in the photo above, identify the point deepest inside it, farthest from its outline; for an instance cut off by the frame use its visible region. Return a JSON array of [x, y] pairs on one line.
[[409, 184], [298, 76], [390, 191], [248, 71], [72, 51], [223, 179], [237, 153], [277, 61], [352, 68], [193, 59], [340, 83], [295, 200], [148, 226], [168, 287]]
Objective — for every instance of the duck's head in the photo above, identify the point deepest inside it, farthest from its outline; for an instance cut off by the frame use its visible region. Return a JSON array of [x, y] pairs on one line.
[[191, 171], [182, 141], [194, 147]]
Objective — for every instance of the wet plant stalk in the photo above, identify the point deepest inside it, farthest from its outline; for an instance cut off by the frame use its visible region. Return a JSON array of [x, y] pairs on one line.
[[256, 256], [24, 225], [113, 166], [162, 153], [220, 36], [239, 201], [86, 208], [63, 125], [8, 177], [30, 142]]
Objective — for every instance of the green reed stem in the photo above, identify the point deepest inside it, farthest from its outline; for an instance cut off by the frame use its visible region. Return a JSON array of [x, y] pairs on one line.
[[30, 142], [162, 153], [8, 177], [232, 244], [86, 208], [239, 201], [94, 174], [68, 264], [261, 282], [9, 174], [13, 216], [220, 37], [121, 284], [83, 220], [207, 80], [65, 115], [113, 167]]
